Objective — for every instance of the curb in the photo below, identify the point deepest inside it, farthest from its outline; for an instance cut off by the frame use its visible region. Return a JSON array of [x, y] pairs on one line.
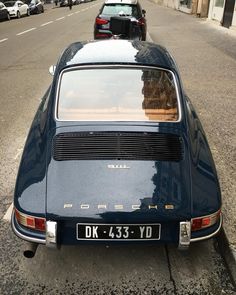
[[228, 253]]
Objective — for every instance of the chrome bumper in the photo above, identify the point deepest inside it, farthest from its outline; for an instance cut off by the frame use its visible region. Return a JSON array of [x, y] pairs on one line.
[[51, 234]]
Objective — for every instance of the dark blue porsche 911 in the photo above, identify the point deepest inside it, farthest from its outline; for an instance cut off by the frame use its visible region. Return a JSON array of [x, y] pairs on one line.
[[116, 153]]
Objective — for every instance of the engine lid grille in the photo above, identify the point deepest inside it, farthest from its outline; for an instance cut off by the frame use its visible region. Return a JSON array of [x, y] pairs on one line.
[[117, 146]]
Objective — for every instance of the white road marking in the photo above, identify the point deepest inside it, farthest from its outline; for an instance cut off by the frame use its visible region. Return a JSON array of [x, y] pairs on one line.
[[3, 40], [77, 12], [60, 18], [45, 24], [19, 151], [148, 37], [70, 14], [21, 33], [7, 216]]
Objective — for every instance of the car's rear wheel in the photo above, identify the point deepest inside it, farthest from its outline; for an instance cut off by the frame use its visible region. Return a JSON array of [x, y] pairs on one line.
[[18, 14], [42, 9], [8, 16]]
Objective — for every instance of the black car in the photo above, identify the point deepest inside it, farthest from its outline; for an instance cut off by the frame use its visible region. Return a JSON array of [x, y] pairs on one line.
[[125, 18], [4, 14], [36, 6], [109, 161], [64, 3]]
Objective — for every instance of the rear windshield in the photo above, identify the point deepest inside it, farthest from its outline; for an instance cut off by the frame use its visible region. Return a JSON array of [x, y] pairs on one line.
[[120, 9], [121, 94]]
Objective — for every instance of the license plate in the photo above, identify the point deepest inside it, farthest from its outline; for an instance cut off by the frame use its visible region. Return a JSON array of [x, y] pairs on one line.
[[104, 232]]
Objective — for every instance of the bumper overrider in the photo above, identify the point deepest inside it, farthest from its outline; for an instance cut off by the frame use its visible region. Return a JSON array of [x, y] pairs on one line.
[[50, 238]]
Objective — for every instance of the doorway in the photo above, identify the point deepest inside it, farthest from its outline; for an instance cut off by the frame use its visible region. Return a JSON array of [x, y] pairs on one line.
[[228, 13]]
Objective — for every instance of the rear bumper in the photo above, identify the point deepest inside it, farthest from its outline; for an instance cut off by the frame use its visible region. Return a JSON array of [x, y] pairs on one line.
[[40, 238]]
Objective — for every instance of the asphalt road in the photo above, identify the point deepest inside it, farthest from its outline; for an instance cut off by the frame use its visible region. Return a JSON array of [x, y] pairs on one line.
[[28, 46]]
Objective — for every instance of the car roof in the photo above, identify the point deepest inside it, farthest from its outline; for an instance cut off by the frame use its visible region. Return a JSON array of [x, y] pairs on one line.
[[116, 52], [121, 2]]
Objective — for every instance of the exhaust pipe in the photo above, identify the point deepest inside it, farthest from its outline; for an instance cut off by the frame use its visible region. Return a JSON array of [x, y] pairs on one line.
[[30, 250]]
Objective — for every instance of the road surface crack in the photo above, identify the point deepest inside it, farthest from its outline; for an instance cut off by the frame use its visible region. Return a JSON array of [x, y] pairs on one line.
[[170, 271]]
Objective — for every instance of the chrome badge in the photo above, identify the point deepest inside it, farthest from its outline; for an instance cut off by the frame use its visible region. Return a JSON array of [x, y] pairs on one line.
[[117, 166]]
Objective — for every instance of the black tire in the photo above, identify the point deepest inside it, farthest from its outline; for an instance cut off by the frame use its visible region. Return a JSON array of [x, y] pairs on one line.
[[28, 12], [8, 16], [42, 9], [18, 14]]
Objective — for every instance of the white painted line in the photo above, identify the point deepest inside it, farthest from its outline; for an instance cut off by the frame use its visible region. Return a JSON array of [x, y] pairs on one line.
[[48, 23], [60, 18], [3, 40], [19, 151], [77, 12], [25, 31], [148, 37], [7, 215], [70, 14]]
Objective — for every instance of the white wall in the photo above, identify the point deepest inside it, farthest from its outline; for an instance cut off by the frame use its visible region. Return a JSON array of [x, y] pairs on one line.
[[215, 13], [234, 18]]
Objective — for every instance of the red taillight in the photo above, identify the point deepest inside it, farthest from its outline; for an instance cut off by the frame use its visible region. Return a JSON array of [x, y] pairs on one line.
[[33, 222], [141, 21], [205, 221], [103, 35], [100, 21]]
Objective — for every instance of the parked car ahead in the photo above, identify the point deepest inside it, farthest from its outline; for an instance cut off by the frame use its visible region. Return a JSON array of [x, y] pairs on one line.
[[65, 2], [17, 8], [4, 14], [36, 6], [107, 160], [128, 10]]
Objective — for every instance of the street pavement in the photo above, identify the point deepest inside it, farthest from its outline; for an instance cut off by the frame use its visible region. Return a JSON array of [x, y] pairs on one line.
[[206, 56], [207, 60]]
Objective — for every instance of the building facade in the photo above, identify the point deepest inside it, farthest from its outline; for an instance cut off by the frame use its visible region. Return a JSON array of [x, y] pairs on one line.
[[223, 11]]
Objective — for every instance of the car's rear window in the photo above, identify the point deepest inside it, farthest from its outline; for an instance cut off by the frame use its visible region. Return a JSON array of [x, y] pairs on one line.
[[120, 9], [117, 94]]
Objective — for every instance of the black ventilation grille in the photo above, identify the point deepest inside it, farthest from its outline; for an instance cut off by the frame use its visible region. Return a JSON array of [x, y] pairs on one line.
[[117, 146]]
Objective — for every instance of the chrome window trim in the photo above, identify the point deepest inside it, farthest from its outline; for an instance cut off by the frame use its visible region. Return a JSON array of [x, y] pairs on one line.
[[115, 67], [24, 237], [211, 235]]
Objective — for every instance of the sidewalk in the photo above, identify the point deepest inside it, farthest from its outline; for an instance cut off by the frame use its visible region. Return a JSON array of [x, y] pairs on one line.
[[206, 56]]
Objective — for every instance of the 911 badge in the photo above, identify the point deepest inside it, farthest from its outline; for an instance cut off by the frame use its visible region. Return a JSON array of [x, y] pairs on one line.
[[118, 166]]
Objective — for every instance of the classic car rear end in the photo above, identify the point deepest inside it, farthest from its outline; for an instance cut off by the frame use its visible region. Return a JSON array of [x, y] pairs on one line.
[[109, 161]]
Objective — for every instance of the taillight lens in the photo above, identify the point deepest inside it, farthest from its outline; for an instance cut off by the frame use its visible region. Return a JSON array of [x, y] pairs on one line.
[[141, 21], [100, 21], [204, 221], [103, 35], [33, 222]]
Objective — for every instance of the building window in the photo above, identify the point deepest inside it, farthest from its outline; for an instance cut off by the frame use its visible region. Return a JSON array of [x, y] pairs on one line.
[[186, 3], [219, 3]]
